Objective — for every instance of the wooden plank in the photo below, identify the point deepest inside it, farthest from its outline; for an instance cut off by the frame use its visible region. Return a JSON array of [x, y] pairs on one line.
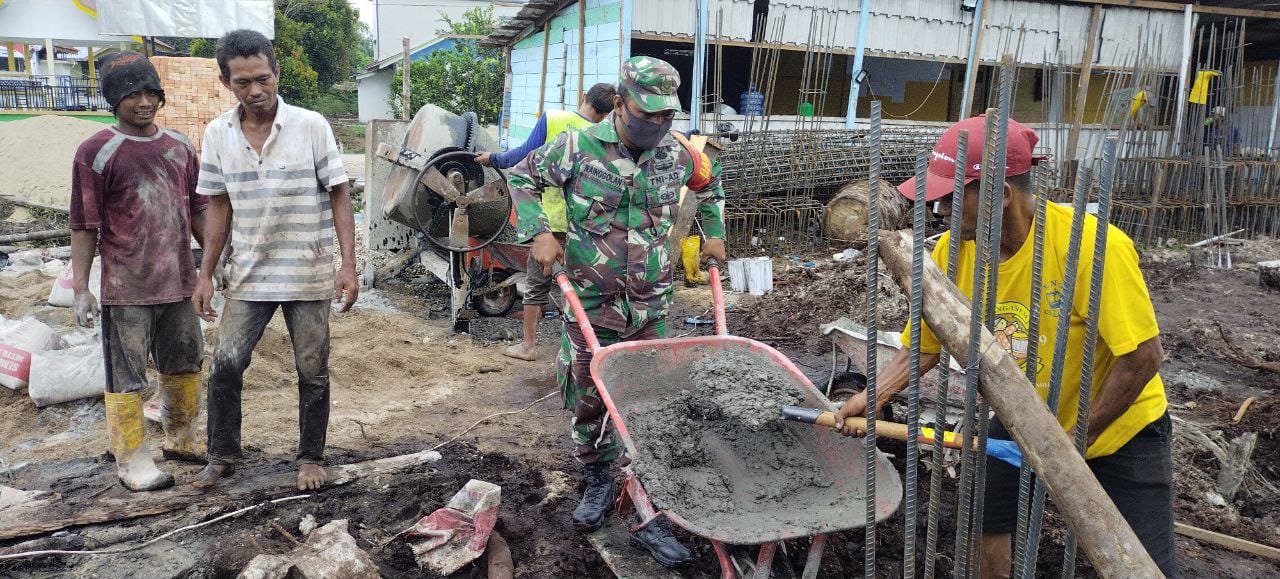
[[20, 522], [406, 95], [1234, 543], [582, 45], [542, 82], [625, 560]]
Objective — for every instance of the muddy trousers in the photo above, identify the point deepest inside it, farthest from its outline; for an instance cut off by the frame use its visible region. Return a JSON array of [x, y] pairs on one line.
[[168, 333], [592, 442], [242, 325]]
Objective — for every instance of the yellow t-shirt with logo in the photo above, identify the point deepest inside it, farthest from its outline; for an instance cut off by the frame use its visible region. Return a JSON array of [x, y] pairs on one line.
[[1126, 318]]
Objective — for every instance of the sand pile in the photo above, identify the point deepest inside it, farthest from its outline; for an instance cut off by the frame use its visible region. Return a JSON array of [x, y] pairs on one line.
[[38, 152]]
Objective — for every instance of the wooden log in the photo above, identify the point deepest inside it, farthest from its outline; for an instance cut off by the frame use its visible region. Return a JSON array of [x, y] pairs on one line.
[[1104, 535], [35, 236], [1227, 541], [24, 522], [1236, 465]]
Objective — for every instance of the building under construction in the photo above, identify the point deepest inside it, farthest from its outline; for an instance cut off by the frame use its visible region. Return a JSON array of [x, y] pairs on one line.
[[787, 85]]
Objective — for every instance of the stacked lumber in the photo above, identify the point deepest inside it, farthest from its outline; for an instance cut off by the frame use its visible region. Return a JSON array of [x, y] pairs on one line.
[[193, 94]]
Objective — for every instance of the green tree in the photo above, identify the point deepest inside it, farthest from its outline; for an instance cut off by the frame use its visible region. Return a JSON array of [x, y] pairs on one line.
[[299, 82], [203, 47], [461, 79], [328, 33]]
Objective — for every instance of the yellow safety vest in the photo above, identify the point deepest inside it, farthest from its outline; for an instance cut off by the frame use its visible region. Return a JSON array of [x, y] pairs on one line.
[[553, 198]]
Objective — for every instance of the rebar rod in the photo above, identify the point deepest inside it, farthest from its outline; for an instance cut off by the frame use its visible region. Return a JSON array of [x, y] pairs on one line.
[[994, 172], [1061, 333], [873, 279], [1032, 365], [944, 362], [1105, 182], [970, 458], [913, 374]]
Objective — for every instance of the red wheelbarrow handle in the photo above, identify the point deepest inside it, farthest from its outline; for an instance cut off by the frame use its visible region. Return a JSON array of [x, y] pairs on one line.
[[571, 297]]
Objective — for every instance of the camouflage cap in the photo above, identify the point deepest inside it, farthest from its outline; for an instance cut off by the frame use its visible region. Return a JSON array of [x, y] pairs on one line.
[[651, 83]]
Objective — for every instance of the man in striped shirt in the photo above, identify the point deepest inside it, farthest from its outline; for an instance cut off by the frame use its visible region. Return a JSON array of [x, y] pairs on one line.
[[277, 189]]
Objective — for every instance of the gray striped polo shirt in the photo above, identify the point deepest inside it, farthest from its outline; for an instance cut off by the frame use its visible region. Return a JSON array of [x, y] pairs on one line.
[[281, 219]]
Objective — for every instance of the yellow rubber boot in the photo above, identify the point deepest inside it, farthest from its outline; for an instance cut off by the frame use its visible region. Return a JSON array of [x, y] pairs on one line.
[[179, 406], [129, 444], [690, 251]]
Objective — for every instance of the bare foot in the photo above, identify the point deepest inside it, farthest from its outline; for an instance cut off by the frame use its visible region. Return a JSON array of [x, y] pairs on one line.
[[210, 475], [520, 352], [311, 477]]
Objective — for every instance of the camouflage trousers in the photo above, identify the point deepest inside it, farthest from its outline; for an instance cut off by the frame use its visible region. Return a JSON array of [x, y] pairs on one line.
[[591, 441]]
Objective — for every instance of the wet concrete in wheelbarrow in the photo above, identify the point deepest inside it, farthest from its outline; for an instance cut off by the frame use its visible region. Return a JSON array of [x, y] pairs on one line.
[[712, 448]]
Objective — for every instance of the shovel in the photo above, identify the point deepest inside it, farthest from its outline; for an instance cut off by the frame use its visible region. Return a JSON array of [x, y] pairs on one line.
[[1006, 450]]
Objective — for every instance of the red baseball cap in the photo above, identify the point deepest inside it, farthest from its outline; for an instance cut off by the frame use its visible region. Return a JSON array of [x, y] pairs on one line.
[[942, 164]]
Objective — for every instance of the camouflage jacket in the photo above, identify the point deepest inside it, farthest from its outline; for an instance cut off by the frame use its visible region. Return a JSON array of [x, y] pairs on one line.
[[620, 212]]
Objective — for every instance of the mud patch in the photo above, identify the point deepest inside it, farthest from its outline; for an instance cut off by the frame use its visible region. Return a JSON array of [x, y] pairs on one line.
[[805, 298]]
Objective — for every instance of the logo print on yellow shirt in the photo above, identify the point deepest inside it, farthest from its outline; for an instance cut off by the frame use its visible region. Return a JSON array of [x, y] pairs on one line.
[[1012, 321]]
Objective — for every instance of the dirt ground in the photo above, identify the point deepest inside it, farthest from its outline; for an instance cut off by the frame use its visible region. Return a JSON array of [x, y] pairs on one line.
[[403, 382]]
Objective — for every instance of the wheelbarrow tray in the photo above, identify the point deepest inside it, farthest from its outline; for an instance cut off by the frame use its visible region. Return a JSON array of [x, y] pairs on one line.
[[631, 375]]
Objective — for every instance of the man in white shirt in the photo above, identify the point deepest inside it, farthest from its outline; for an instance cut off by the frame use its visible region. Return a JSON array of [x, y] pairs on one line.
[[277, 189]]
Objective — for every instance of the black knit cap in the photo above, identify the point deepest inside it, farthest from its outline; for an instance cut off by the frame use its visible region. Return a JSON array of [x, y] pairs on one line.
[[126, 73]]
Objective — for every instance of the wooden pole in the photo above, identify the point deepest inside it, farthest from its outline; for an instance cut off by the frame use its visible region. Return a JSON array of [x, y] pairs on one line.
[[1107, 539], [93, 66], [1082, 86], [406, 95], [582, 45], [542, 84], [13, 63]]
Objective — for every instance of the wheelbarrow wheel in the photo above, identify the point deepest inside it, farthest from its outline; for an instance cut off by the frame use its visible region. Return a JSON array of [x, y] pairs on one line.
[[498, 302]]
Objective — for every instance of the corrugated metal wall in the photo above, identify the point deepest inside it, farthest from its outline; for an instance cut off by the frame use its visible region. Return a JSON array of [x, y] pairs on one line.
[[938, 28]]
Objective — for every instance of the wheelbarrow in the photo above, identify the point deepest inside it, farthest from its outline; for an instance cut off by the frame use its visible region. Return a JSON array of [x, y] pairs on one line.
[[836, 505]]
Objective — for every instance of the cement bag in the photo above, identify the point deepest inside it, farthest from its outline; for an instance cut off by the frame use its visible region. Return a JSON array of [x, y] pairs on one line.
[[63, 293], [66, 375], [19, 339]]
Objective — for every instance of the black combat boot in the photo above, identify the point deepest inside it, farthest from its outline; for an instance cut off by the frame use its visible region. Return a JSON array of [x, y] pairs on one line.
[[597, 499], [662, 544]]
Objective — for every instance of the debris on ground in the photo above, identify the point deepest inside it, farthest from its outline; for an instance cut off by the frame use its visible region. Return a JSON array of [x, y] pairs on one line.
[[805, 298], [329, 552], [451, 537]]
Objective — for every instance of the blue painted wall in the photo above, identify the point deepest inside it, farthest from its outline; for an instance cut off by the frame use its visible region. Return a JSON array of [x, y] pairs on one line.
[[603, 51]]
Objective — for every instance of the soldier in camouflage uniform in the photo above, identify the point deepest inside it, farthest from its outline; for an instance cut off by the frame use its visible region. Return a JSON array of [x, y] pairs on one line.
[[622, 180]]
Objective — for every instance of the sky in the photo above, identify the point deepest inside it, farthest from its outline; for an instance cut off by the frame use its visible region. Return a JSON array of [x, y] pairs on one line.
[[366, 10]]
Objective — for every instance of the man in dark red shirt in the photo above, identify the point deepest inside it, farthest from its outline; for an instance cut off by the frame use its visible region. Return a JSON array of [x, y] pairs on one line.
[[133, 199]]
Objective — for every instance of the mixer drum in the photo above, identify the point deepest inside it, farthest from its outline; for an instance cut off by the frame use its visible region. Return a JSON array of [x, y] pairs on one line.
[[432, 133]]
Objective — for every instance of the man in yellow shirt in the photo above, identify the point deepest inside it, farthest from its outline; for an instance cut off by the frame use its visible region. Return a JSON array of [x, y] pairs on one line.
[[592, 107], [1128, 430]]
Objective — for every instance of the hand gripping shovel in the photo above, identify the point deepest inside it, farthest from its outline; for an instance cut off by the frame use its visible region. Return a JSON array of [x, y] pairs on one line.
[[1006, 450]]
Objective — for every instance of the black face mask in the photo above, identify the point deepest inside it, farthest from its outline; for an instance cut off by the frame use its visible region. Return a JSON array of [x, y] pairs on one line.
[[645, 134]]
